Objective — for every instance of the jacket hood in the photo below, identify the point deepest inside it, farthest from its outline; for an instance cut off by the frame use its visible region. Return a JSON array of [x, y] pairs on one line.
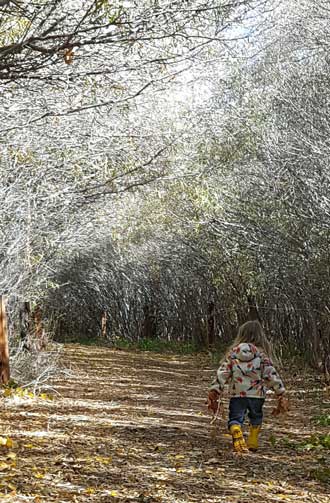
[[245, 352]]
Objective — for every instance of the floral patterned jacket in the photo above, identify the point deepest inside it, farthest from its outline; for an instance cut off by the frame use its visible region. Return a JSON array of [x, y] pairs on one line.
[[249, 373]]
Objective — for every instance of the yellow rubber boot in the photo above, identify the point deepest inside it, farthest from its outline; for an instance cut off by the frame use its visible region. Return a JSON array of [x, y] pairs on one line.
[[252, 441], [239, 444]]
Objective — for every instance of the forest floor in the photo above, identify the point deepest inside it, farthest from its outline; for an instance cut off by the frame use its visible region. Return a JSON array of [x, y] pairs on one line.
[[132, 427]]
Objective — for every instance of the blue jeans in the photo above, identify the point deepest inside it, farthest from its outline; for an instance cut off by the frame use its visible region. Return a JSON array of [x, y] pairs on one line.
[[239, 406]]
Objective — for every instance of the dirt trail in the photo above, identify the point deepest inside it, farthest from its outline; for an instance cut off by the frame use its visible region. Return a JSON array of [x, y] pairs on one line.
[[132, 427]]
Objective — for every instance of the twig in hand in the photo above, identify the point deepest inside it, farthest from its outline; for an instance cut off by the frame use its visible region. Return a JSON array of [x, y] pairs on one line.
[[219, 409]]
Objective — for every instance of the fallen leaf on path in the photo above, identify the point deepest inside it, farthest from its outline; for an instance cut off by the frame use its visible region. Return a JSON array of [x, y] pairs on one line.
[[5, 466], [90, 490], [39, 475], [6, 442]]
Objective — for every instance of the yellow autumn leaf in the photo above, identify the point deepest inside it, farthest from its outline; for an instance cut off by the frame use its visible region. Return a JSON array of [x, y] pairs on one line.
[[44, 396], [39, 475], [89, 490], [179, 456], [6, 496], [4, 466], [103, 460], [6, 442], [29, 446], [159, 447], [7, 392]]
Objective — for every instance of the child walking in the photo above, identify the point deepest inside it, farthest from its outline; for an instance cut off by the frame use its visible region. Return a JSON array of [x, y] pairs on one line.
[[249, 371]]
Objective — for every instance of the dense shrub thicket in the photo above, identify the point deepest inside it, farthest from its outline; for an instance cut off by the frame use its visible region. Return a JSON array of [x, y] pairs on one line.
[[196, 197]]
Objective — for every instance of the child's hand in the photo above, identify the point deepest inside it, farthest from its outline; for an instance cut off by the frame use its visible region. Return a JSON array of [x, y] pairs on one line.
[[283, 406], [213, 401]]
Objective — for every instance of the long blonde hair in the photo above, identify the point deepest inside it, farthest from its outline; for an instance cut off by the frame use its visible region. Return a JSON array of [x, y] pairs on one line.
[[251, 332]]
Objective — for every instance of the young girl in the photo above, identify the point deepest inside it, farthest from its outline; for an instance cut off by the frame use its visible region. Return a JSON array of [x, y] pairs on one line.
[[249, 371]]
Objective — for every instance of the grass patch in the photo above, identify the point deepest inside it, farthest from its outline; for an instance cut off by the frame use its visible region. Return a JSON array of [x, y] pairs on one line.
[[322, 420], [321, 474], [218, 353], [289, 443], [86, 341], [314, 443], [152, 345], [317, 442], [155, 345]]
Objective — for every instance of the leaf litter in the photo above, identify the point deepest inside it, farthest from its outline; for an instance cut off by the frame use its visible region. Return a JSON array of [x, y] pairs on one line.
[[132, 427]]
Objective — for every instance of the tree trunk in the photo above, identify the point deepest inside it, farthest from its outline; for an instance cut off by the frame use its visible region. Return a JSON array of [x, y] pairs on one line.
[[104, 325], [25, 323], [210, 325], [4, 349], [39, 333], [149, 326], [253, 310]]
